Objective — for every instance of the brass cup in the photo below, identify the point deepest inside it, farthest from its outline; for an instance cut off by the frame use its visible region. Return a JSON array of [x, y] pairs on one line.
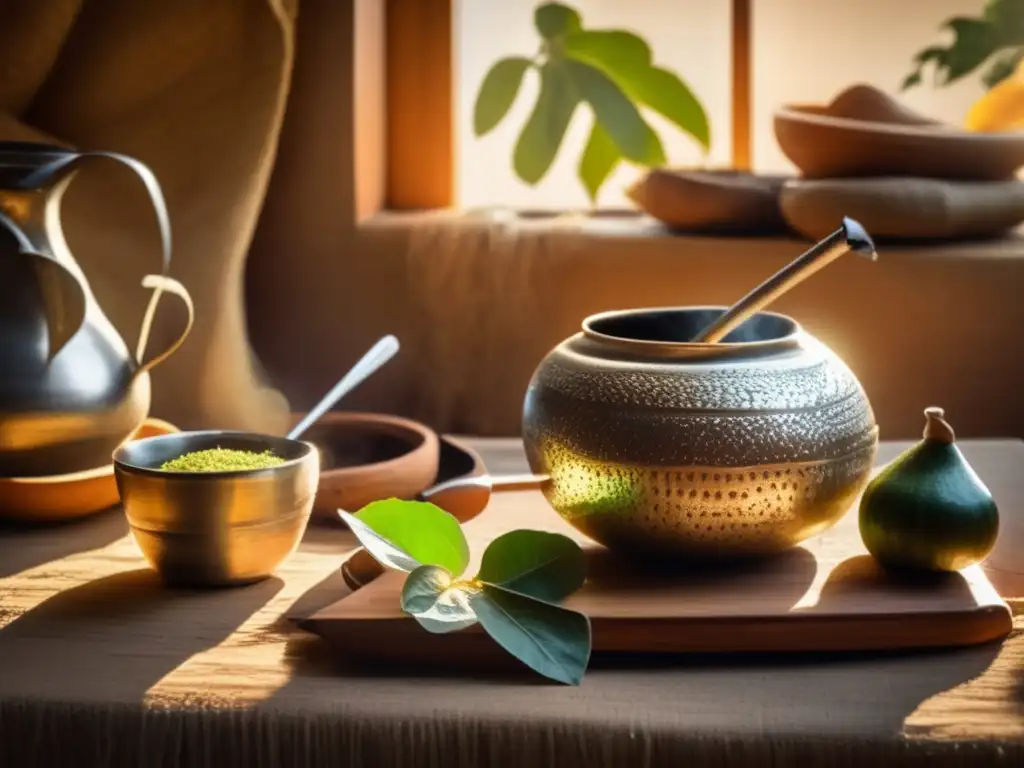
[[216, 528]]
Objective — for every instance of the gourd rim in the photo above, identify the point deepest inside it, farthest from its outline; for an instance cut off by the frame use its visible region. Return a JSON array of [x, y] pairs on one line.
[[789, 337]]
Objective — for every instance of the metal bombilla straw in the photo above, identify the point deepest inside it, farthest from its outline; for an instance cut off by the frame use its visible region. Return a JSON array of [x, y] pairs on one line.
[[851, 236]]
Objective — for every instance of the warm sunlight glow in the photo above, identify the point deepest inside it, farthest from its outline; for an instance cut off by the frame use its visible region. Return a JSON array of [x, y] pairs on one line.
[[691, 39], [802, 52], [121, 554], [808, 51]]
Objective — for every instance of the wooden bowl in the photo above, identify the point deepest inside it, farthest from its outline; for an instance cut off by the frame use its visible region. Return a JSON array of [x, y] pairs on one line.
[[368, 456], [66, 497], [711, 201], [858, 135]]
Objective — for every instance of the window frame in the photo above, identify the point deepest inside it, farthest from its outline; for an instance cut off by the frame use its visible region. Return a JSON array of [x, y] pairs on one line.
[[417, 59]]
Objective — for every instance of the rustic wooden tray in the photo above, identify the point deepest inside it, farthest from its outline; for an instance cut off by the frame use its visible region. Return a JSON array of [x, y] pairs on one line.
[[827, 595]]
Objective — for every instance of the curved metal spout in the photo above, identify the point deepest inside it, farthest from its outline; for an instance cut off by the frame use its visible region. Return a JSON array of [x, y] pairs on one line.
[[851, 236]]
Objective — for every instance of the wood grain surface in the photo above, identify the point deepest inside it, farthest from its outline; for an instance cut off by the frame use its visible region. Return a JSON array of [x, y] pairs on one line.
[[99, 665], [825, 595]]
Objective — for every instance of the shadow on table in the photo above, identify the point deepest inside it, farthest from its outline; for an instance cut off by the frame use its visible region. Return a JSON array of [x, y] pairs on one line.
[[23, 547], [114, 638], [849, 692], [409, 651], [781, 580]]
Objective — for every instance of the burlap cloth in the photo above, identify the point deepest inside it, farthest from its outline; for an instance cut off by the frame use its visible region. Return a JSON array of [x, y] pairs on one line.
[[196, 89], [101, 666]]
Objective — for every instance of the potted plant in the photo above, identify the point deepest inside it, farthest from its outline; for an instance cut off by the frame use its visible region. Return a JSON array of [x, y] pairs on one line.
[[611, 71]]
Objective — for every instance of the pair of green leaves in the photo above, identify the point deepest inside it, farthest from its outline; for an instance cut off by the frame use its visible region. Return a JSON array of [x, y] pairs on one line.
[[996, 37], [609, 70], [514, 597]]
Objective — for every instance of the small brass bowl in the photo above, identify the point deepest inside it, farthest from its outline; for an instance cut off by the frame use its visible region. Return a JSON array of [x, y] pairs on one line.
[[216, 528]]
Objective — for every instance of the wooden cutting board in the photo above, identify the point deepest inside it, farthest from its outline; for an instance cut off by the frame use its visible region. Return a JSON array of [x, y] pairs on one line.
[[825, 595]]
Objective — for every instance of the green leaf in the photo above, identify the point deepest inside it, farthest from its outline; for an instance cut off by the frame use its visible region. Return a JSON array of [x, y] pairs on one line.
[[423, 586], [1002, 68], [599, 159], [921, 58], [617, 114], [911, 80], [626, 59], [383, 551], [610, 50], [555, 19], [542, 135], [547, 566], [497, 93], [976, 40], [423, 531], [670, 97], [437, 602], [932, 53], [443, 626], [549, 639], [1007, 18]]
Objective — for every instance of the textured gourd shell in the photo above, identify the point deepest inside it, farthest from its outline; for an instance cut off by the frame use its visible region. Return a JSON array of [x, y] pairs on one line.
[[654, 449]]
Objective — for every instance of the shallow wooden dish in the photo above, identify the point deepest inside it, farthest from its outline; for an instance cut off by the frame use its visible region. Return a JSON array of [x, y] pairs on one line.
[[369, 456], [864, 132], [66, 497], [711, 201], [905, 208], [825, 595]]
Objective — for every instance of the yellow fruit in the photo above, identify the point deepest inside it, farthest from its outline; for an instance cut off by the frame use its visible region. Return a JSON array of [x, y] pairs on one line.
[[1002, 108]]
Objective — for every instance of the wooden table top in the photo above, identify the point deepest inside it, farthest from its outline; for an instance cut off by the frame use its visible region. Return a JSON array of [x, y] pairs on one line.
[[99, 665]]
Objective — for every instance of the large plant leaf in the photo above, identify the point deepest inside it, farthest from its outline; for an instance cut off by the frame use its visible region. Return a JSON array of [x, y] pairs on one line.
[[626, 59], [1007, 18], [911, 80], [668, 95], [554, 19], [610, 50], [976, 40], [934, 54], [548, 566], [443, 626], [549, 639], [439, 603], [1002, 68], [600, 156], [383, 551], [542, 135], [617, 114], [497, 93], [424, 531], [423, 586]]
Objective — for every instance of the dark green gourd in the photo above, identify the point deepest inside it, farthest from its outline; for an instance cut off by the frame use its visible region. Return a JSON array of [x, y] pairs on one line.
[[928, 510]]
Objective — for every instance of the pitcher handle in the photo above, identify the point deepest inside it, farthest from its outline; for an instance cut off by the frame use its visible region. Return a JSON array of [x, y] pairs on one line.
[[159, 284], [54, 170]]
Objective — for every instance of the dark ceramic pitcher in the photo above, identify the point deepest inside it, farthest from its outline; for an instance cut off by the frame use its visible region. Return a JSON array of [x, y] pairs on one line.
[[70, 391]]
